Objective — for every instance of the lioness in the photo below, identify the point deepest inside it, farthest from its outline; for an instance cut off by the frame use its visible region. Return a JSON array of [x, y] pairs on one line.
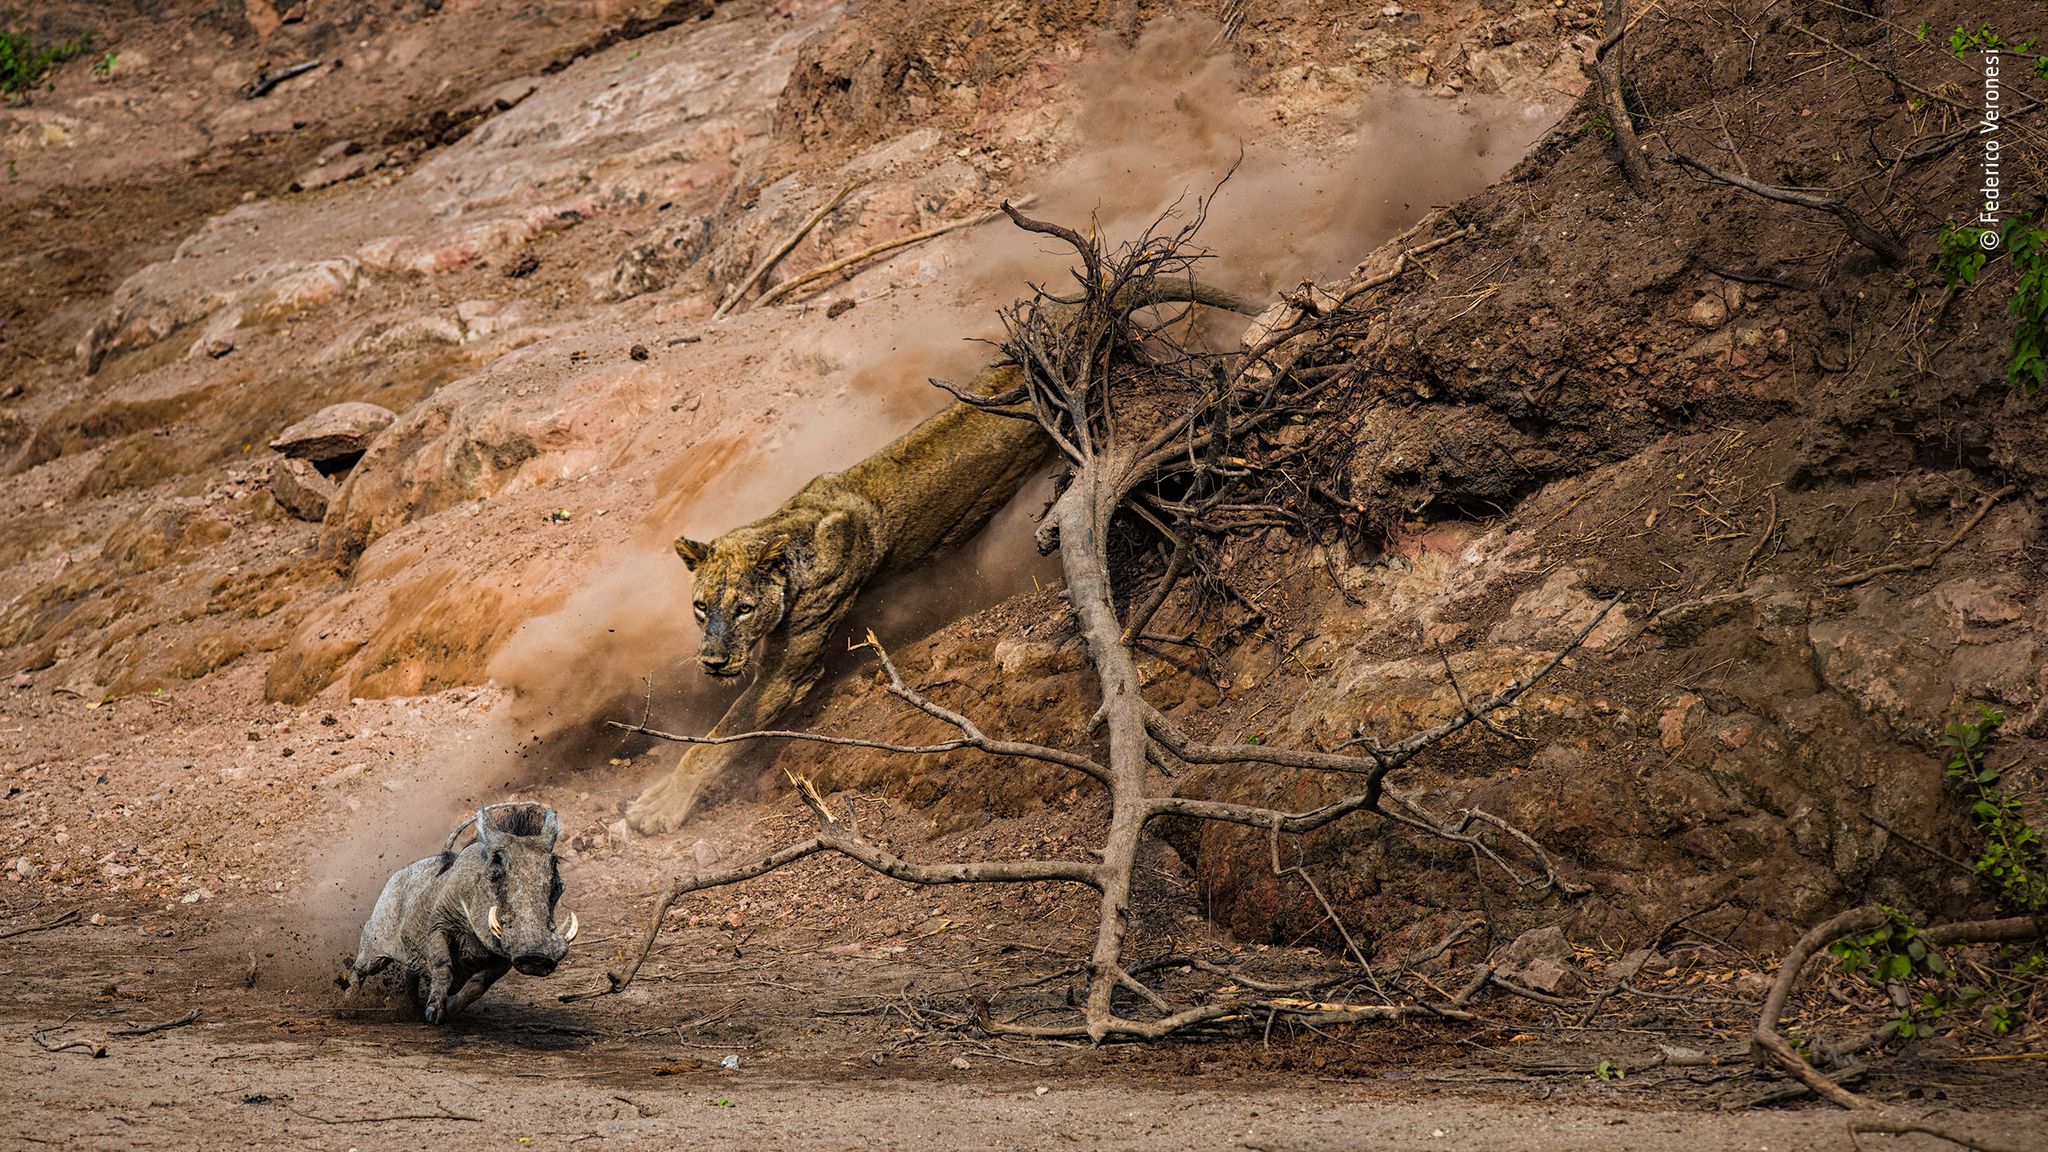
[[791, 576]]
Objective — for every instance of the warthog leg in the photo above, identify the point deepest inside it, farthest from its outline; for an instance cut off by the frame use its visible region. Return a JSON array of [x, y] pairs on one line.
[[477, 986], [440, 959]]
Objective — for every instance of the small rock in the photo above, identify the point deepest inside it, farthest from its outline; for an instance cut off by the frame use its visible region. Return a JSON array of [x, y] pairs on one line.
[[731, 1062], [340, 776], [335, 432], [1040, 1090], [961, 1063], [336, 171], [1709, 312], [1541, 959], [1671, 725], [1974, 602], [838, 308], [301, 490], [22, 680], [1627, 967], [638, 352], [194, 896], [23, 868], [616, 833], [99, 920], [704, 853]]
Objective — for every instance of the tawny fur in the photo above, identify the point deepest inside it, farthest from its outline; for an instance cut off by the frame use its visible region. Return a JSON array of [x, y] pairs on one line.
[[791, 577]]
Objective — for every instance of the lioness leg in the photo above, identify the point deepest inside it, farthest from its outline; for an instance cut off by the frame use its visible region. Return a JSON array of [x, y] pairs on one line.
[[784, 682]]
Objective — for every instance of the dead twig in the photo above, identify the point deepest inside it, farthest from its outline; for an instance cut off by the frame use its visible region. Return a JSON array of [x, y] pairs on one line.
[[271, 78], [781, 250], [96, 1051], [58, 921], [166, 1026], [443, 1114], [1927, 561], [787, 287], [1882, 244]]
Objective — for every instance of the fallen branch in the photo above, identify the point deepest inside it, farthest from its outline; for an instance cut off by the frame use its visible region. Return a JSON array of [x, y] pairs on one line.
[[271, 78], [1607, 70], [835, 836], [781, 250], [443, 1114], [58, 921], [1927, 561], [1890, 1127], [1770, 1047], [1885, 246], [96, 1051], [790, 286], [1355, 288], [166, 1026]]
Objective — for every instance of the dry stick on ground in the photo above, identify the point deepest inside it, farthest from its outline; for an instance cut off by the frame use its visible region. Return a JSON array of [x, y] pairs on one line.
[[1770, 1046], [1607, 70], [781, 250], [1927, 561], [844, 262], [1078, 356], [146, 1029], [1885, 246], [58, 921]]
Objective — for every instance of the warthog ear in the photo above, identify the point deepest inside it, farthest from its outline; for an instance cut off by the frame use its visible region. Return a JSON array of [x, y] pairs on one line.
[[692, 551], [551, 828], [484, 832]]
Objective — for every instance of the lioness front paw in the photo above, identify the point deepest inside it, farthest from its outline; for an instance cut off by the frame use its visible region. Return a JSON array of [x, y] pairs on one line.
[[663, 807]]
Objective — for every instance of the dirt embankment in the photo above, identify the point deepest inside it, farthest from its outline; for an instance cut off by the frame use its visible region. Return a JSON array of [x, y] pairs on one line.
[[515, 238]]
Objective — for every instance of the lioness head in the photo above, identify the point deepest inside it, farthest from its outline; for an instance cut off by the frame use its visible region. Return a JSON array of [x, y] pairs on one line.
[[742, 595]]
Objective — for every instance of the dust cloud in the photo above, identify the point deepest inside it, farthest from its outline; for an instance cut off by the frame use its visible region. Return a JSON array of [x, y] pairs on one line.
[[1157, 124], [1155, 127]]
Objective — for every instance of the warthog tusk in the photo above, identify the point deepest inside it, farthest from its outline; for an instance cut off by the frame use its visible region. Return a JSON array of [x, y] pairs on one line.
[[570, 935], [497, 933]]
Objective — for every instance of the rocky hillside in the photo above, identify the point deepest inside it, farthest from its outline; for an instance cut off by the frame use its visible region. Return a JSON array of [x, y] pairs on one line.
[[511, 229]]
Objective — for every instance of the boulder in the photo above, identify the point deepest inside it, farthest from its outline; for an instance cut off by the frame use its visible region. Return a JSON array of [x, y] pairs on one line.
[[1542, 960], [301, 489], [333, 433]]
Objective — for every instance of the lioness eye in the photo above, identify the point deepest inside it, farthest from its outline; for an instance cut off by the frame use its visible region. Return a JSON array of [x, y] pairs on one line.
[[698, 608], [746, 609]]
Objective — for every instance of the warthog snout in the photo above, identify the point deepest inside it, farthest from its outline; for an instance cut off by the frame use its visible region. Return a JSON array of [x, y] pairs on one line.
[[535, 964]]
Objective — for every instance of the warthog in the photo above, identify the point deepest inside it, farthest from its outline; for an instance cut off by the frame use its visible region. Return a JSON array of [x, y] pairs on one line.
[[463, 919]]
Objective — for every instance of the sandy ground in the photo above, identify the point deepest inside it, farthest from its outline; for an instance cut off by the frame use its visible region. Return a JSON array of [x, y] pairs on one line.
[[828, 1058], [203, 847]]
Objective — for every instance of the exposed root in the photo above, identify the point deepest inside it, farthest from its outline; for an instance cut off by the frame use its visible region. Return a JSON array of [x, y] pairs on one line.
[[1771, 1048]]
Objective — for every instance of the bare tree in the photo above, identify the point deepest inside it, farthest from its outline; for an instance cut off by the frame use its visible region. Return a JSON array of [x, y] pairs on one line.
[[1161, 438]]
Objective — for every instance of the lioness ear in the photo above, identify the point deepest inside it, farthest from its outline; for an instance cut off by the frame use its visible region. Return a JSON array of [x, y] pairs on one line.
[[692, 552], [776, 552]]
